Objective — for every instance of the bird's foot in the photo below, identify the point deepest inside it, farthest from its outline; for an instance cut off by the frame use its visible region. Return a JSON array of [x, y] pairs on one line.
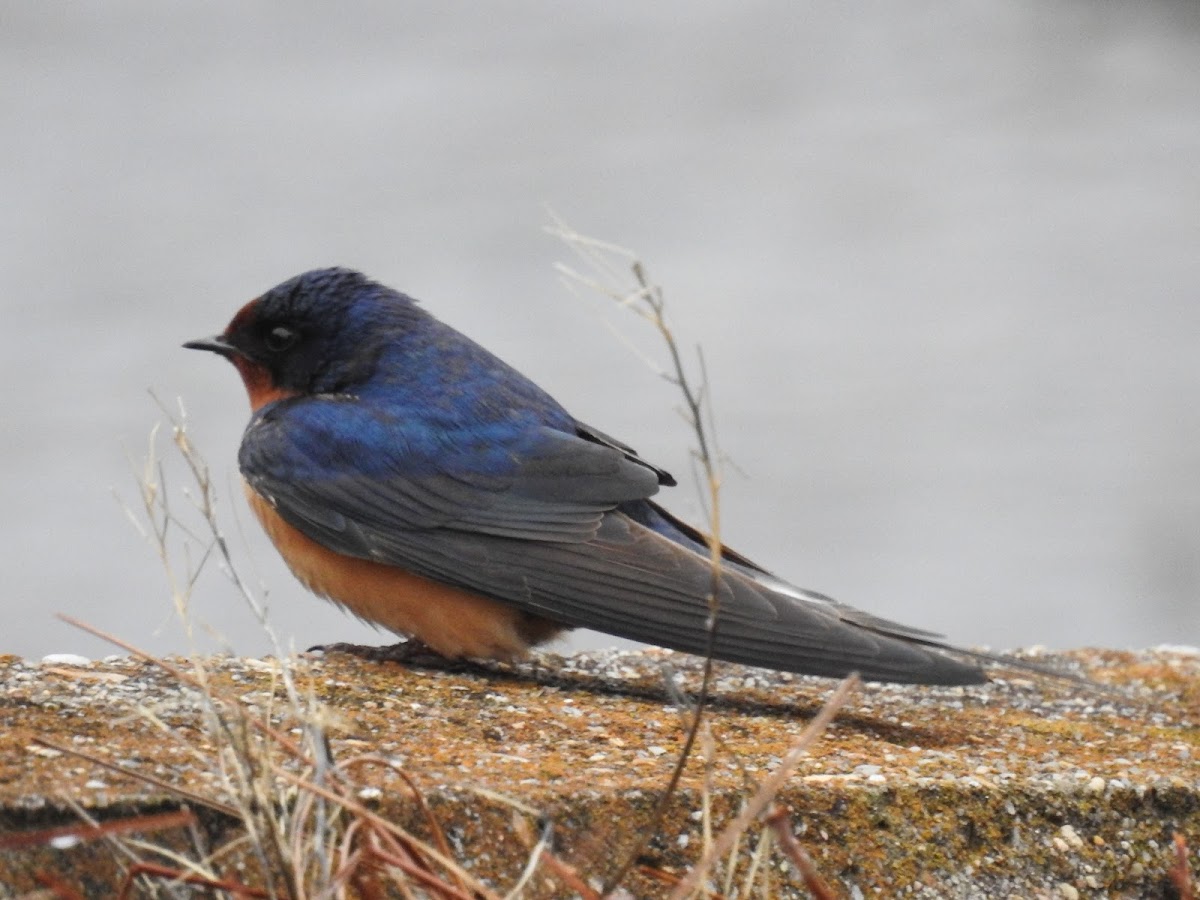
[[407, 653]]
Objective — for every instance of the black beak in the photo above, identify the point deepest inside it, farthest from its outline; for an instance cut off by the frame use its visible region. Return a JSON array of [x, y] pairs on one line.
[[216, 344]]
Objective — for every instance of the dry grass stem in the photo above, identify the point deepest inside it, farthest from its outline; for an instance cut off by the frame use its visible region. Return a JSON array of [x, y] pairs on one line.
[[779, 823], [768, 790], [1180, 872], [611, 266], [297, 807]]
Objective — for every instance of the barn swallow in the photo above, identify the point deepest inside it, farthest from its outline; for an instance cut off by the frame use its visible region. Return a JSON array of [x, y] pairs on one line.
[[407, 474]]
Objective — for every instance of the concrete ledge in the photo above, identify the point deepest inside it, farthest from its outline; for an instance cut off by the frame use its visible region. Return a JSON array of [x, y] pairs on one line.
[[1018, 788]]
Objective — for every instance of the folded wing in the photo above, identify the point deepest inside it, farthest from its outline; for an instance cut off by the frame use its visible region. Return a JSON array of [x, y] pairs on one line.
[[558, 524]]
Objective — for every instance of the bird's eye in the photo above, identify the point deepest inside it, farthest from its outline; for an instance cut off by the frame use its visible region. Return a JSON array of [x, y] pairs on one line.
[[280, 338]]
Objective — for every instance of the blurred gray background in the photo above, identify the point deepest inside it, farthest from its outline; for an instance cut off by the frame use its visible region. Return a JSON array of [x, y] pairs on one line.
[[943, 260]]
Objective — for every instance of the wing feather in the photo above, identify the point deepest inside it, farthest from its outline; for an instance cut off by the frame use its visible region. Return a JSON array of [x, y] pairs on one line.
[[546, 527]]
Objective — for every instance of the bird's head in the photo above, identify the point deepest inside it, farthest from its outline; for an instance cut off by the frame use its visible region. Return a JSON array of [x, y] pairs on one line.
[[304, 336]]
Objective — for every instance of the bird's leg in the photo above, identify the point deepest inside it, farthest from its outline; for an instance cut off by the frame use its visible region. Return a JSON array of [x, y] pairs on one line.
[[411, 652]]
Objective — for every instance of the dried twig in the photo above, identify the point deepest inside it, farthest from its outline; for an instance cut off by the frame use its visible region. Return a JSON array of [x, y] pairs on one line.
[[769, 788], [85, 832], [647, 300], [59, 889], [779, 823], [166, 873], [165, 785], [298, 808], [1181, 873]]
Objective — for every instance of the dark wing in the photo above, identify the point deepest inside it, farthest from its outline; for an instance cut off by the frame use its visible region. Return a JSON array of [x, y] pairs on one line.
[[343, 470], [547, 532], [596, 436], [630, 581]]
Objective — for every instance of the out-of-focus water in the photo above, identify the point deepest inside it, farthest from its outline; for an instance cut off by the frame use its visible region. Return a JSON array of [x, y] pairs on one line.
[[943, 261]]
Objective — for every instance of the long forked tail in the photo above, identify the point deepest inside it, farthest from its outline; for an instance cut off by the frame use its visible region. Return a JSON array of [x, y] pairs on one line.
[[904, 653]]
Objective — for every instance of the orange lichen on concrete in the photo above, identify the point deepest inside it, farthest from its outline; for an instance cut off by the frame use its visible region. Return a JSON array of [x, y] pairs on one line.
[[1019, 786]]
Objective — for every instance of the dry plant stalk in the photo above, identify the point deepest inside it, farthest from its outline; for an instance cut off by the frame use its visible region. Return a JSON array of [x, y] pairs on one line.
[[646, 299], [768, 789], [609, 269], [1180, 872], [777, 820], [90, 832], [310, 835]]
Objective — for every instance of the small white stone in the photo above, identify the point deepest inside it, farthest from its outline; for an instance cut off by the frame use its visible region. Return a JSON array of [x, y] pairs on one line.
[[1071, 837], [1068, 891], [1178, 649], [65, 659], [370, 793]]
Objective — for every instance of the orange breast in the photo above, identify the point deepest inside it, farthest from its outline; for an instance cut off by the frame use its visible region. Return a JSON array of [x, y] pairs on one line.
[[260, 387], [454, 622]]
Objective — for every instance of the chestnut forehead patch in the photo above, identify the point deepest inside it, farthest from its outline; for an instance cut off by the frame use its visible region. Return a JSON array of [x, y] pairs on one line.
[[243, 317]]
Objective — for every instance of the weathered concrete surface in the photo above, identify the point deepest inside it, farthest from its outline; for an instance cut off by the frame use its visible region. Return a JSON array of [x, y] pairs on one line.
[[1022, 788]]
